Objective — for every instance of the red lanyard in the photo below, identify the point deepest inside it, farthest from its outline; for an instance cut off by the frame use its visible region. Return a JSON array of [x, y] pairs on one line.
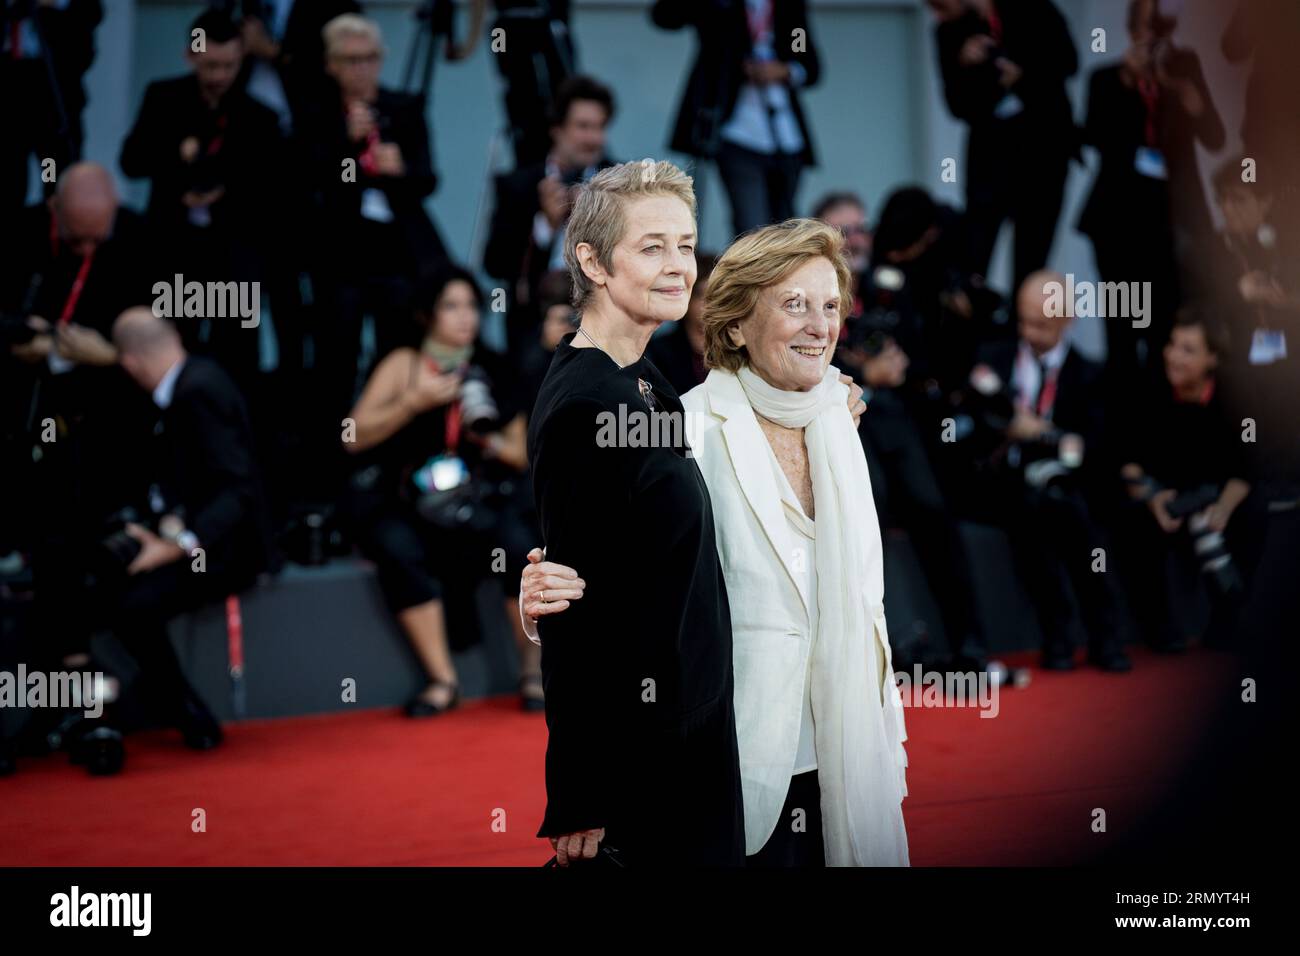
[[16, 39], [1047, 393], [1149, 90], [995, 24], [452, 422], [78, 283], [214, 145], [760, 22]]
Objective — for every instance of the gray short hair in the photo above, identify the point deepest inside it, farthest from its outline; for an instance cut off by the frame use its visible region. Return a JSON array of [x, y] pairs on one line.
[[598, 213]]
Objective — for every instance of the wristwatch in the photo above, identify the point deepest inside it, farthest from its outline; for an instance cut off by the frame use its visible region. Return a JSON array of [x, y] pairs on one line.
[[185, 539]]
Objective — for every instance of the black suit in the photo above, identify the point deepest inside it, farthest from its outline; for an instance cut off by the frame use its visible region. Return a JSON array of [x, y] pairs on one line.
[[1054, 528], [760, 186], [208, 469], [1015, 167], [80, 476], [240, 151], [361, 264], [718, 71], [204, 467], [32, 118]]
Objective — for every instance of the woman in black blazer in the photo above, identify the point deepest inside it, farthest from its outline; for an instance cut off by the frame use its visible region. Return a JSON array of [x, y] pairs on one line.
[[642, 752]]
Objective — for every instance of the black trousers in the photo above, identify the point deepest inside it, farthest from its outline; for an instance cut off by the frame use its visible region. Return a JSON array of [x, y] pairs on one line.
[[759, 186], [797, 839], [1026, 187], [1053, 534]]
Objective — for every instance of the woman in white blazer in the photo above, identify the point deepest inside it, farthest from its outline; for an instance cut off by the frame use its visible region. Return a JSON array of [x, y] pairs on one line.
[[819, 719]]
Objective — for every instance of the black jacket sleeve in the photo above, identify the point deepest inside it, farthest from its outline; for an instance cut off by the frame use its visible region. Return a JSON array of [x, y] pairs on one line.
[[218, 455], [581, 490]]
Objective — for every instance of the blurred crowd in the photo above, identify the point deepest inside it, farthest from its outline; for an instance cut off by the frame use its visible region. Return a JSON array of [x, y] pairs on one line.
[[341, 395]]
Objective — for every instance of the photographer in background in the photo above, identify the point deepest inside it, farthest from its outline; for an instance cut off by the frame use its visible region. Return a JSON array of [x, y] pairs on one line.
[[1185, 467], [70, 417], [1004, 64], [1041, 473], [526, 239], [1147, 211], [439, 488], [196, 533], [904, 298], [214, 160], [40, 41]]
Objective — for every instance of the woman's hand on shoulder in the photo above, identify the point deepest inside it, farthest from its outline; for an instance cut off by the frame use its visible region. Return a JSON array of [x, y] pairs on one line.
[[856, 405]]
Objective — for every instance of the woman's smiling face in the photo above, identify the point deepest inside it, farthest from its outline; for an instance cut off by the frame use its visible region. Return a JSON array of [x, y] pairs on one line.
[[792, 331], [654, 263]]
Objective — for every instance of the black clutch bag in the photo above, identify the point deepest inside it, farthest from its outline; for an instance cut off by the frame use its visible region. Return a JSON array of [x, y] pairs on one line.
[[607, 857]]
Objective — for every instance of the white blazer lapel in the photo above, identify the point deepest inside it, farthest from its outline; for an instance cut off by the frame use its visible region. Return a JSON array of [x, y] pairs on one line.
[[749, 452]]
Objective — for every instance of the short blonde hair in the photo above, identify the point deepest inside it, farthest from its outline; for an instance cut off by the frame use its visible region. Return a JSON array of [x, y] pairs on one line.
[[599, 219], [758, 259], [350, 25]]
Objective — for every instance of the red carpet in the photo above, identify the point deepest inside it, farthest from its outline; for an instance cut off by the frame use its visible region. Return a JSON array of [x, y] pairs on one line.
[[374, 788]]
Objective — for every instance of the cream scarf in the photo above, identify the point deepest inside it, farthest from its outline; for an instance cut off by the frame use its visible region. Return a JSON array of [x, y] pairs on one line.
[[859, 773]]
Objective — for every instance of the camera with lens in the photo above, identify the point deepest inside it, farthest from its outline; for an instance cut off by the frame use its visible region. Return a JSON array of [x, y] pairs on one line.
[[478, 409], [1208, 545], [451, 493]]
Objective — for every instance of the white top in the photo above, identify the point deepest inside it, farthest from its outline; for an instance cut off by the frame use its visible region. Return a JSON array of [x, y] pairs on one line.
[[749, 124], [803, 530]]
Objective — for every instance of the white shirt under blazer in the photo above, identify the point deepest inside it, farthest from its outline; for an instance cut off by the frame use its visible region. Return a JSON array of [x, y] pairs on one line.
[[767, 589]]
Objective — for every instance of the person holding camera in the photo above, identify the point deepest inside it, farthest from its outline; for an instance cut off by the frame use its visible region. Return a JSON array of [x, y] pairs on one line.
[[199, 534], [899, 348], [1185, 468], [1147, 210], [213, 157], [1004, 64], [526, 238], [1040, 423], [368, 156], [439, 490]]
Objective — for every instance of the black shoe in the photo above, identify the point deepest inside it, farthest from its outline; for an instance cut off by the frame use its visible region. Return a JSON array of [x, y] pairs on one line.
[[199, 729], [101, 751], [1115, 661], [419, 707], [531, 698]]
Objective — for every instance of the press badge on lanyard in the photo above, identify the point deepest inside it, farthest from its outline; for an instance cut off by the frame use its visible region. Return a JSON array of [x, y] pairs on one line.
[[1009, 106], [1150, 162], [1267, 346]]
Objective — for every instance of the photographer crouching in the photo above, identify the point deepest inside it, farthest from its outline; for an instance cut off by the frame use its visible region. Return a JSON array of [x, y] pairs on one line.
[[1185, 466], [197, 533], [440, 495]]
